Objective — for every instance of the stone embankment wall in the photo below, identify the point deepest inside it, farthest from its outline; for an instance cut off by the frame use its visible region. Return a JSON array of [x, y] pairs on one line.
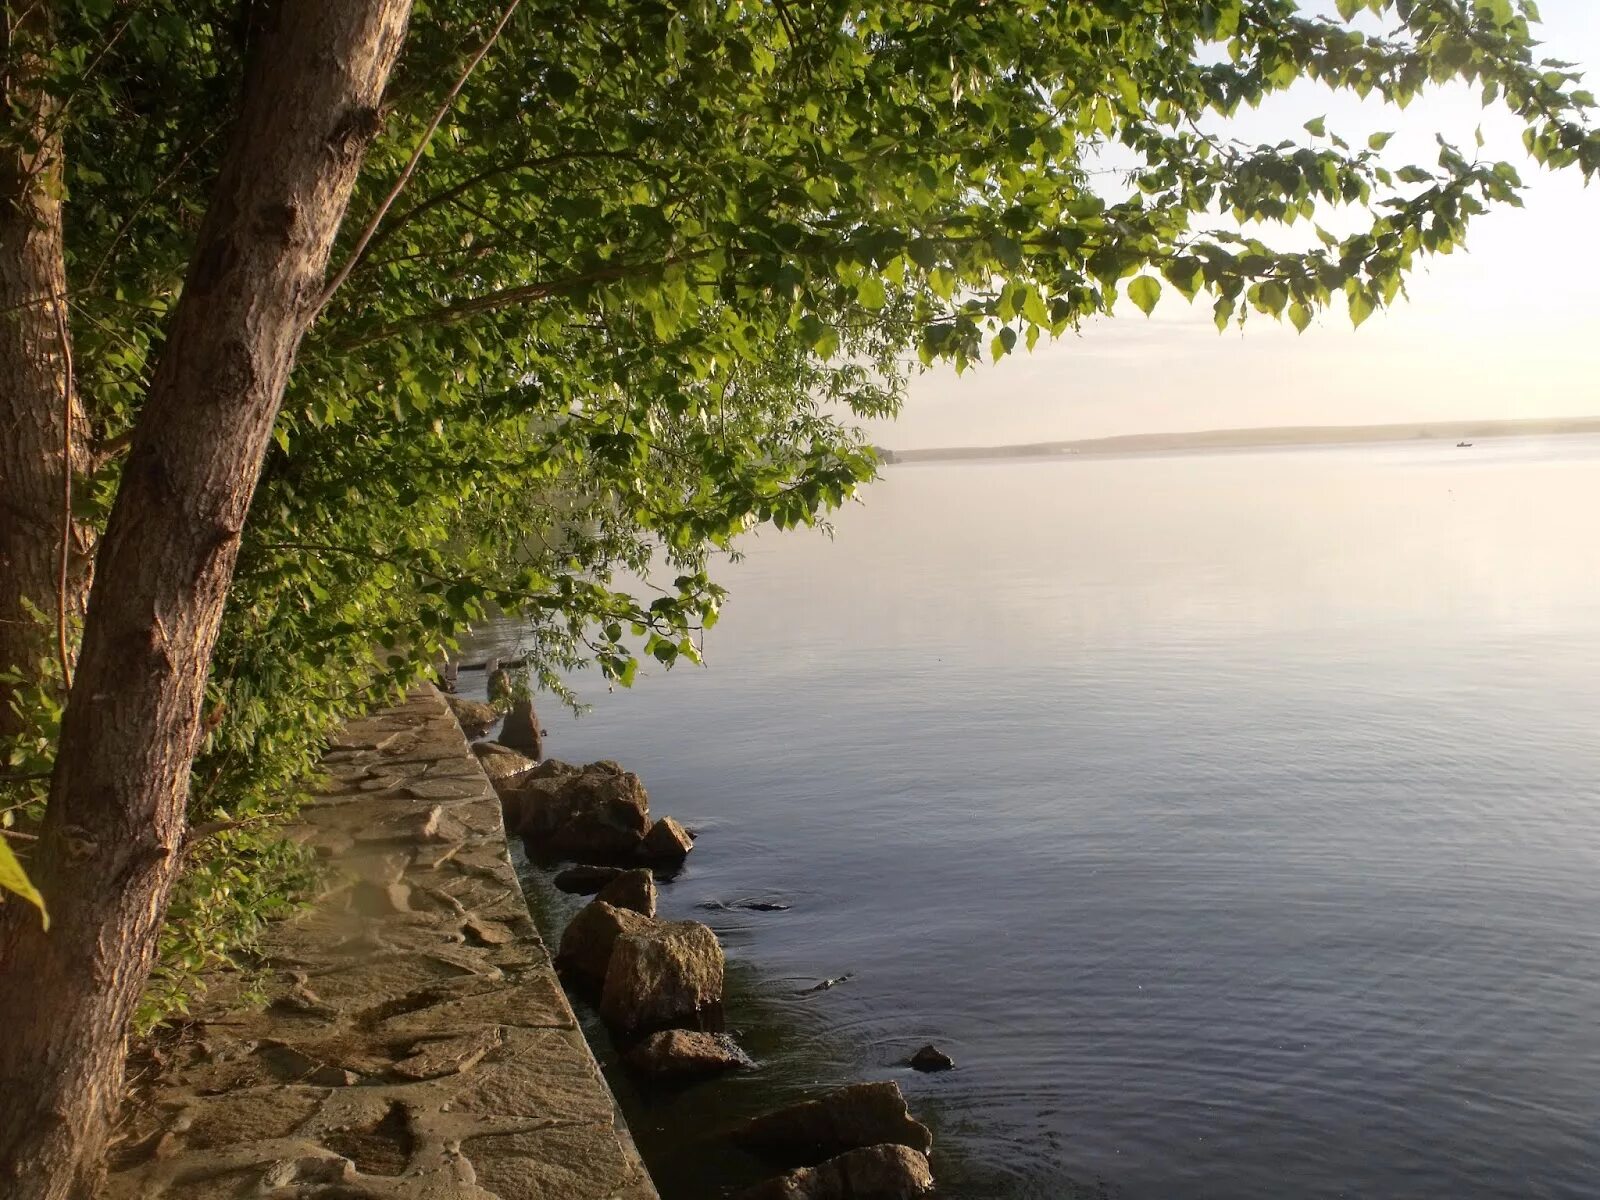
[[415, 1043]]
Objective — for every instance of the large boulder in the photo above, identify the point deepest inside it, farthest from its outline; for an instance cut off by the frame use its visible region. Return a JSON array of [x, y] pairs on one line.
[[634, 889], [473, 716], [669, 973], [585, 880], [521, 729], [554, 768], [609, 814], [863, 1114], [532, 806], [872, 1173], [590, 938], [597, 815], [682, 1053], [667, 842]]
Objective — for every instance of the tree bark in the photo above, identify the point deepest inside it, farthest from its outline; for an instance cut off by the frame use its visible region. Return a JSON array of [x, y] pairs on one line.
[[43, 430], [111, 842]]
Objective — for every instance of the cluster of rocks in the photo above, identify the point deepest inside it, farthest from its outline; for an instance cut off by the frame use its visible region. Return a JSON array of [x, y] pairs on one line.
[[520, 731], [658, 985], [597, 814], [857, 1143]]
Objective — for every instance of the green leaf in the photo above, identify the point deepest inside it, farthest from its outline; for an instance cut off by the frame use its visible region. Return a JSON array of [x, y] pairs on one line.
[[14, 879], [1144, 292], [870, 293], [1360, 305]]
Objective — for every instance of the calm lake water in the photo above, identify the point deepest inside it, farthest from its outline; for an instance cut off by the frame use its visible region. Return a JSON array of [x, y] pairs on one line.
[[1232, 819]]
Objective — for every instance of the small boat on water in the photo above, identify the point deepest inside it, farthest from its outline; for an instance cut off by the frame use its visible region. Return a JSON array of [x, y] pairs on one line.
[[1461, 444]]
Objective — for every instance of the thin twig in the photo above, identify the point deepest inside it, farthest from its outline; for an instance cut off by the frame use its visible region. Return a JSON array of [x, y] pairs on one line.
[[66, 488], [416, 156]]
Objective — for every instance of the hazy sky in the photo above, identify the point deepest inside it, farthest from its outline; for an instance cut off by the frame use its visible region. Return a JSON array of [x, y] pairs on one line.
[[1511, 327]]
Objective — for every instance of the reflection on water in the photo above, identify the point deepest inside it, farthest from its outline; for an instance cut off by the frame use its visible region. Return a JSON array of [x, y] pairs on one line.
[[1233, 820]]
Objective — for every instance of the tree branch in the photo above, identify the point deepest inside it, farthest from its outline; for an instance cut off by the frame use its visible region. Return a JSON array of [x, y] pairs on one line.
[[343, 272], [65, 339]]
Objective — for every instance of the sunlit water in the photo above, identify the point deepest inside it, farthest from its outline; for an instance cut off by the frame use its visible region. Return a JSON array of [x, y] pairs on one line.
[[1232, 819]]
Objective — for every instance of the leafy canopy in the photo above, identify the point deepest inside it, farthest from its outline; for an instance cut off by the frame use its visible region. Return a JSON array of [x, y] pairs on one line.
[[659, 258]]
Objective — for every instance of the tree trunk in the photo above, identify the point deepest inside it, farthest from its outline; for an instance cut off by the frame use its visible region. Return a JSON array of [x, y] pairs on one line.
[[112, 838], [43, 431]]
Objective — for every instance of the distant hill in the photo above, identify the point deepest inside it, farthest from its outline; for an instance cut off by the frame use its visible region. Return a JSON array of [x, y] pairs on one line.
[[1229, 439]]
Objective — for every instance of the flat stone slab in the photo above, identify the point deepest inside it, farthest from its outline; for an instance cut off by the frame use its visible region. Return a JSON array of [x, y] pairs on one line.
[[416, 1044]]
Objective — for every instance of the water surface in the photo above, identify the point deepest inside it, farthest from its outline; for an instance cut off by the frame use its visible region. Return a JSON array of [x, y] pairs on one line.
[[1232, 819]]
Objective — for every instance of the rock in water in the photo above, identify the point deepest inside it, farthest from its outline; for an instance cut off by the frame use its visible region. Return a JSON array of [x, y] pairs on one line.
[[634, 889], [521, 729], [585, 880], [871, 1173], [499, 687], [532, 807], [554, 768], [592, 815], [681, 1052], [503, 765], [930, 1058], [665, 974], [605, 816], [863, 1114], [590, 939], [667, 842], [473, 717]]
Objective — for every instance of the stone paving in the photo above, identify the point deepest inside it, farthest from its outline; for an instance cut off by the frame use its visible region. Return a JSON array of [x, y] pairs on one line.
[[416, 1044]]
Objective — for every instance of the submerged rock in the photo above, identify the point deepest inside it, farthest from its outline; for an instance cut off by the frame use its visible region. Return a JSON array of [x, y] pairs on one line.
[[664, 974], [634, 889], [667, 842], [863, 1114], [930, 1058], [872, 1173], [585, 880], [590, 938], [676, 1053]]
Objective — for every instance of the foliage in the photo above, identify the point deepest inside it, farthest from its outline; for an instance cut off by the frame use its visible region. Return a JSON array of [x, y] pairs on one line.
[[656, 262]]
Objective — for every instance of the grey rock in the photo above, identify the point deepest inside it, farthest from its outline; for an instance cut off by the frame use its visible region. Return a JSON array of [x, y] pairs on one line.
[[664, 974], [631, 889], [886, 1172], [863, 1114]]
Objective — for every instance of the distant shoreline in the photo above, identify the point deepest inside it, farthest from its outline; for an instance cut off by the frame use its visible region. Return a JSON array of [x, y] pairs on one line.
[[1232, 439]]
